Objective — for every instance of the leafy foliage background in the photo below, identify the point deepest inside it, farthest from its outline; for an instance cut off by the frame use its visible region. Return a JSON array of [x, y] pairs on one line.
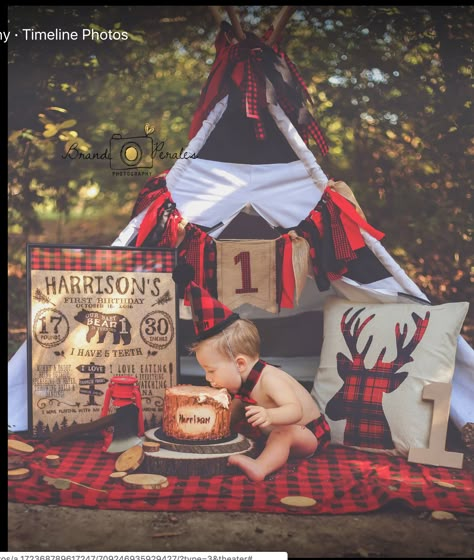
[[392, 89]]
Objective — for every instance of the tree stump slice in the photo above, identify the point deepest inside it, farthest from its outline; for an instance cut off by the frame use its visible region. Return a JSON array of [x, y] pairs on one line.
[[298, 501], [16, 446], [19, 474], [151, 446], [147, 481], [117, 475], [53, 460], [206, 460], [235, 445], [130, 459]]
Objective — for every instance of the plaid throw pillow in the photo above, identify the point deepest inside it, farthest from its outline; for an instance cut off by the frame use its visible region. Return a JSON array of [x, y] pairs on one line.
[[375, 361]]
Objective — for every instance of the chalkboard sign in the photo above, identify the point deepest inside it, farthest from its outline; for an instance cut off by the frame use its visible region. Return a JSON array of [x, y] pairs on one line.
[[96, 313]]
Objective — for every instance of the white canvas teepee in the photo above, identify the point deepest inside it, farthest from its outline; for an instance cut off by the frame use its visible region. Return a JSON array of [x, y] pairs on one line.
[[280, 180], [277, 178]]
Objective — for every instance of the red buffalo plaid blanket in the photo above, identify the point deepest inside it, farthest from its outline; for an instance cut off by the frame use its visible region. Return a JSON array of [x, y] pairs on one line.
[[341, 480]]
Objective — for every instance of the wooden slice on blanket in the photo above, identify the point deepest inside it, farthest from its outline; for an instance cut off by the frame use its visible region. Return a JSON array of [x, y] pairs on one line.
[[20, 447], [148, 481], [117, 475], [16, 462], [130, 459], [151, 446], [443, 484], [18, 474], [298, 501], [53, 460]]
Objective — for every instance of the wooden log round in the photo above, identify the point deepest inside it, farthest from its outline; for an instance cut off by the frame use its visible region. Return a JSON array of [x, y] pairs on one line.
[[53, 460], [172, 462], [117, 475], [130, 459], [148, 481], [298, 501], [19, 474], [151, 446], [235, 445], [20, 447]]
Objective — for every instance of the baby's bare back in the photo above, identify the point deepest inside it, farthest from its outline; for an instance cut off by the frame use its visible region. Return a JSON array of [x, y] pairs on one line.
[[276, 377]]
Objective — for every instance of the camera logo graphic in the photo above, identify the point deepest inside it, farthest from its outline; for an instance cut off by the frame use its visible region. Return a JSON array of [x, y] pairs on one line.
[[131, 153]]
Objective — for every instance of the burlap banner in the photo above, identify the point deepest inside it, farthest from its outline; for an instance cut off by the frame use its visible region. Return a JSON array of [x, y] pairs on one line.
[[246, 273]]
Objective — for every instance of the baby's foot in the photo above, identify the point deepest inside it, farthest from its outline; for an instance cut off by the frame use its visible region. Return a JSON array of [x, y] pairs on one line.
[[248, 465]]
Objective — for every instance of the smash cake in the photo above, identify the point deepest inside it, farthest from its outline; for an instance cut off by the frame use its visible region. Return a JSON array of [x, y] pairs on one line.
[[196, 413]]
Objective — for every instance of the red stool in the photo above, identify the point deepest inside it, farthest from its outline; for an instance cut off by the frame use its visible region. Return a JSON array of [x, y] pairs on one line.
[[123, 390]]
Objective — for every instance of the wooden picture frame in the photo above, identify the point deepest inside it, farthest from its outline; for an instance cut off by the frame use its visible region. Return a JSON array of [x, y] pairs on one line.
[[95, 313]]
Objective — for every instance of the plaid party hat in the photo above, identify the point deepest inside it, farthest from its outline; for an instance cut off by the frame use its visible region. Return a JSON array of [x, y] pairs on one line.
[[210, 316]]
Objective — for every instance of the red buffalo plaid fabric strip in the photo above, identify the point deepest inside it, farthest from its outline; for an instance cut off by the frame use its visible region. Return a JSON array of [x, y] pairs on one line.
[[111, 259], [341, 480], [243, 64], [152, 189]]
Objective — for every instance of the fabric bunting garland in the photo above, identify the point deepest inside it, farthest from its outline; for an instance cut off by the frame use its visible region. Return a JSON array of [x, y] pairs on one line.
[[268, 274], [263, 75]]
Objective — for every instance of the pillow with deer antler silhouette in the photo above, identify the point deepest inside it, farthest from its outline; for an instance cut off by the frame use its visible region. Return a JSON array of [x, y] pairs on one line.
[[375, 361]]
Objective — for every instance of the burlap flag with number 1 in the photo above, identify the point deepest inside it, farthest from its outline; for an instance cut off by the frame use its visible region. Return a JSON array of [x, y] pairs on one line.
[[246, 273]]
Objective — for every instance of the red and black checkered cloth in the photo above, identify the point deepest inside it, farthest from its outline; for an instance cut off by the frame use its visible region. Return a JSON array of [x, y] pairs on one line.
[[243, 64], [114, 259], [199, 250], [210, 316], [341, 480]]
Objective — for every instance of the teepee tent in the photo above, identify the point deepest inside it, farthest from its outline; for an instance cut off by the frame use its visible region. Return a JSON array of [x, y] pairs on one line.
[[248, 205], [254, 177]]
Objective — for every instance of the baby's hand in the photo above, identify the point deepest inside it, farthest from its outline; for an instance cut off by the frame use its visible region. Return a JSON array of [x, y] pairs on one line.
[[257, 416]]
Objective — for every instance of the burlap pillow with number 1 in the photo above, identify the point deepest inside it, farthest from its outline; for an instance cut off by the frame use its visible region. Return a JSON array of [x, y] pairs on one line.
[[375, 361]]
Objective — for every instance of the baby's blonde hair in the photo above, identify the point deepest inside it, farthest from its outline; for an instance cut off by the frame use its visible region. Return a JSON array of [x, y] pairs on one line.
[[241, 337]]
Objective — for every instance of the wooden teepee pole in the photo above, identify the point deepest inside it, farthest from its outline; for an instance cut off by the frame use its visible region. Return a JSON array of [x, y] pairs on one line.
[[234, 19], [279, 24], [216, 15]]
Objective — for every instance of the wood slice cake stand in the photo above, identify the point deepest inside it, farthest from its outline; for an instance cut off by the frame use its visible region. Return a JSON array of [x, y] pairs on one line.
[[188, 458]]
